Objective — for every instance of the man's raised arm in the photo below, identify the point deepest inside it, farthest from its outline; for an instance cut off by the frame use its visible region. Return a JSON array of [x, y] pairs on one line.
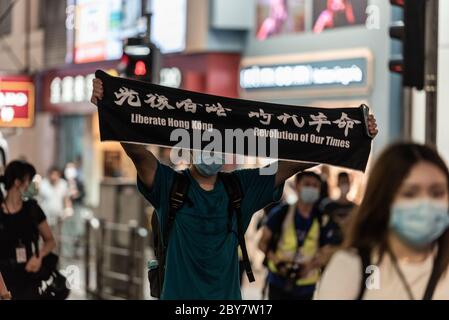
[[144, 161]]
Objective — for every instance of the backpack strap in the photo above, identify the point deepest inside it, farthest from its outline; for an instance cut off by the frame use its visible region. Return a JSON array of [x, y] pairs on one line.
[[274, 241], [365, 257], [178, 196], [234, 191]]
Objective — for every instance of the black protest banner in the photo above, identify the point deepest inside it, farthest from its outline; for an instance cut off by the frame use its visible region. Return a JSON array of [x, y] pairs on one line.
[[134, 111]]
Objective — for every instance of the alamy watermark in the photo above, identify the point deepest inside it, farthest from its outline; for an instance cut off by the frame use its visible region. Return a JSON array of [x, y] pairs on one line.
[[373, 280], [252, 142]]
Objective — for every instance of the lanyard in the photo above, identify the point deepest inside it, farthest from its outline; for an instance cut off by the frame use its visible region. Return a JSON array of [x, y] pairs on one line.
[[401, 276]]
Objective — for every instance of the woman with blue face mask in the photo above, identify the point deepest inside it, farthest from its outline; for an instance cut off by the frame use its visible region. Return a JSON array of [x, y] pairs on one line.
[[398, 244]]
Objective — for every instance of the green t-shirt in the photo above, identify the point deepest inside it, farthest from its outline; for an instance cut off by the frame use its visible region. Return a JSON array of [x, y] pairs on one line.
[[202, 261]]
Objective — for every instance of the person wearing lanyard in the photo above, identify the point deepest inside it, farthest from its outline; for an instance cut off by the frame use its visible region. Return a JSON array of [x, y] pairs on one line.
[[398, 243], [21, 222], [297, 243]]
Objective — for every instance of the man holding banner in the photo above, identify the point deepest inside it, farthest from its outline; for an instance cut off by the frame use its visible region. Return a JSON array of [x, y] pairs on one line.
[[200, 259]]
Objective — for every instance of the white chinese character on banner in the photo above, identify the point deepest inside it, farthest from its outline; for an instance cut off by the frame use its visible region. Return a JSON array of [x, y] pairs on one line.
[[285, 117], [218, 109], [130, 95], [346, 122], [158, 101], [188, 105], [263, 115], [318, 121]]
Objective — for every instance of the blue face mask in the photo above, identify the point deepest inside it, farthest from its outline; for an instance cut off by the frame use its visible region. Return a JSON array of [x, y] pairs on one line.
[[208, 165], [309, 195], [419, 222]]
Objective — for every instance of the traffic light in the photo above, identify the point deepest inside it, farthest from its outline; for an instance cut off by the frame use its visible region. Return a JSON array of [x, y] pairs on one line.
[[411, 32], [140, 60]]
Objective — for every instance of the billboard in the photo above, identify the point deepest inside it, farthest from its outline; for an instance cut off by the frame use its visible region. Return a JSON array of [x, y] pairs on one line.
[[275, 17], [169, 24], [102, 25], [96, 29], [331, 14], [281, 17]]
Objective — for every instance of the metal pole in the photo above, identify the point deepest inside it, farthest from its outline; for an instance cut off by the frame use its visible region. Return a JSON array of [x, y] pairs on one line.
[[87, 257], [100, 258], [27, 36], [148, 14], [132, 258], [141, 270], [59, 223], [430, 85], [407, 113]]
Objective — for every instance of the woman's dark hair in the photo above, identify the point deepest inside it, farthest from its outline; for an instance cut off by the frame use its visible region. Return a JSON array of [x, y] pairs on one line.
[[370, 225], [17, 170]]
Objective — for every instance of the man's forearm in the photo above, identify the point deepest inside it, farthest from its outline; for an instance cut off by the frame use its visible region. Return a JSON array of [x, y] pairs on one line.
[[135, 151], [144, 161]]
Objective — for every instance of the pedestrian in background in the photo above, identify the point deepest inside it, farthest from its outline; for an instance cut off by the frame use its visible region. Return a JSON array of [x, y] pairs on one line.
[[22, 223], [398, 244], [297, 243], [54, 198], [339, 211]]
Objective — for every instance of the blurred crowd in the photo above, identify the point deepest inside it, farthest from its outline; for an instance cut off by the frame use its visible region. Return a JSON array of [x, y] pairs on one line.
[[393, 245]]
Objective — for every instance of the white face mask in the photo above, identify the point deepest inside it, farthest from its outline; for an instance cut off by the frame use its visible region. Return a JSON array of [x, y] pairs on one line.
[[70, 173]]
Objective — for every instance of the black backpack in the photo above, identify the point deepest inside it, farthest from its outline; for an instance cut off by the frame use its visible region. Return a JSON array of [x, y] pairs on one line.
[[178, 196]]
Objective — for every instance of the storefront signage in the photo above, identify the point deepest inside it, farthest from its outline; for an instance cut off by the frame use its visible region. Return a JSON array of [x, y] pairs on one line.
[[73, 89], [16, 102], [342, 74]]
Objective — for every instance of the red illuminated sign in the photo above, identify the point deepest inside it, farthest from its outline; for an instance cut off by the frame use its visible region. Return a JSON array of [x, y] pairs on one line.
[[140, 69], [17, 102]]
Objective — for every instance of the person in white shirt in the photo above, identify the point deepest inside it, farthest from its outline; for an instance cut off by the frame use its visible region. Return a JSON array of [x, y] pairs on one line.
[[54, 197], [398, 244]]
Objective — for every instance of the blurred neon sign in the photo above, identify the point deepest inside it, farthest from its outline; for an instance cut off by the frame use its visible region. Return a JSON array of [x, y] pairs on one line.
[[338, 73], [17, 104]]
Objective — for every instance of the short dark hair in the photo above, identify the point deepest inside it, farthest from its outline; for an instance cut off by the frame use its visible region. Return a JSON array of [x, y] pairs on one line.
[[304, 174], [54, 169], [17, 170], [343, 175]]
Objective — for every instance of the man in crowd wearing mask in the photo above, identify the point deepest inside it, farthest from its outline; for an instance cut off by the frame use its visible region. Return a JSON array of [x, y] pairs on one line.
[[201, 256], [54, 197], [297, 243], [340, 210]]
